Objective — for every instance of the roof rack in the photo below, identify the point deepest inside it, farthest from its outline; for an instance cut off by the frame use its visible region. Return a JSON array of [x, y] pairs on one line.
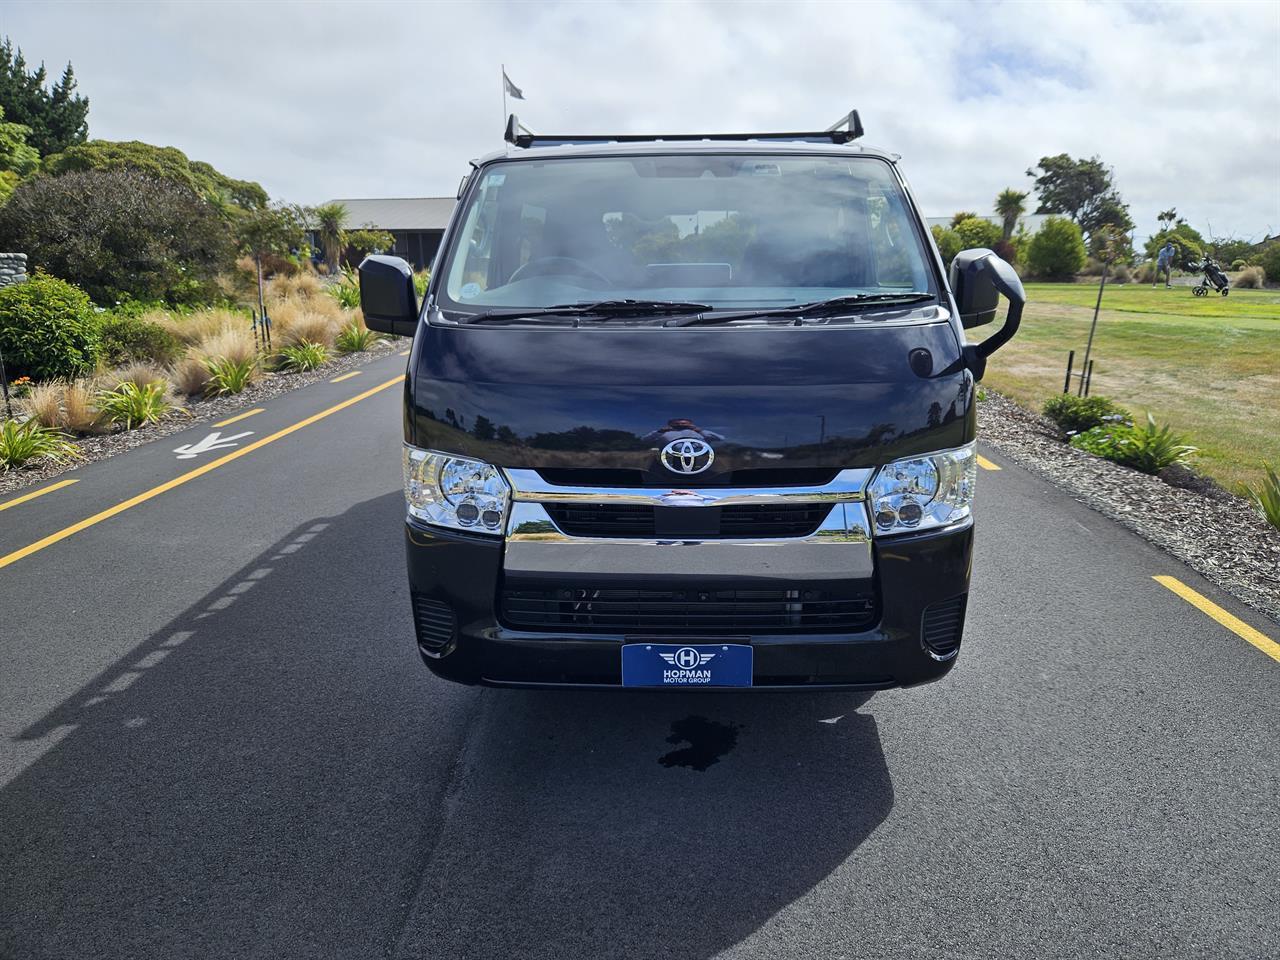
[[844, 130]]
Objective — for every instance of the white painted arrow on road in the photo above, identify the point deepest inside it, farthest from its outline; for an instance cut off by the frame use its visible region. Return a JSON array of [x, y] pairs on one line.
[[214, 441]]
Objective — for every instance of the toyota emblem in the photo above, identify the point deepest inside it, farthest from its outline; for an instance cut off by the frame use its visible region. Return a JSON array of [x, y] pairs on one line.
[[687, 456]]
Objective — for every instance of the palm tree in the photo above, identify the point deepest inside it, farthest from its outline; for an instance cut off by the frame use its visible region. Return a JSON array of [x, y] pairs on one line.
[[1010, 204], [331, 223]]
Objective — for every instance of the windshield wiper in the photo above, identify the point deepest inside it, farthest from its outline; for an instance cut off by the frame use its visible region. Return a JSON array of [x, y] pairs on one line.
[[817, 308], [597, 308]]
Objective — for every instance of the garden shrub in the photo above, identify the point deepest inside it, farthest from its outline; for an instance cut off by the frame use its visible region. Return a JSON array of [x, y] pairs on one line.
[[1102, 441], [1251, 278], [355, 337], [296, 325], [978, 232], [1238, 265], [142, 374], [64, 405], [1267, 496], [347, 290], [1057, 251], [1121, 273], [134, 404], [1269, 260], [948, 242], [1148, 449], [157, 163], [191, 376], [234, 343], [48, 328], [303, 356], [278, 265], [132, 339], [1188, 244], [27, 441], [120, 235], [1076, 414], [43, 403], [230, 375]]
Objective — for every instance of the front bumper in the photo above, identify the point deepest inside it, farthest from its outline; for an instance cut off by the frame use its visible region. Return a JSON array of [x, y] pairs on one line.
[[920, 583]]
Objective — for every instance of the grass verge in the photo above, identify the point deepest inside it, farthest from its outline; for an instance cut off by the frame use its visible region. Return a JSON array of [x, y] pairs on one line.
[[1207, 366]]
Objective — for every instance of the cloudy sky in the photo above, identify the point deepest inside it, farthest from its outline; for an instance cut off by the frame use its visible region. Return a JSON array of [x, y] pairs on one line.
[[319, 100]]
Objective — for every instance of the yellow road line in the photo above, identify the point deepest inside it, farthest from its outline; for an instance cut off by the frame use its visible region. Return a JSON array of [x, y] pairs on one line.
[[984, 463], [404, 353], [189, 475], [346, 376], [39, 493], [1234, 624], [230, 420]]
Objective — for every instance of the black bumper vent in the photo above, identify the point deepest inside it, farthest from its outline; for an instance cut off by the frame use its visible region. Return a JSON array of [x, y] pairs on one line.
[[434, 623], [687, 611], [942, 626], [639, 521]]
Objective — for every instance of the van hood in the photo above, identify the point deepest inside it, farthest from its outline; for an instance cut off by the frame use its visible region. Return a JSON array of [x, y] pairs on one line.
[[609, 397]]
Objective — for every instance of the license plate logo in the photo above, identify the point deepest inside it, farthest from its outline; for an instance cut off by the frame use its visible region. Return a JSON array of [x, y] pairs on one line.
[[686, 665]]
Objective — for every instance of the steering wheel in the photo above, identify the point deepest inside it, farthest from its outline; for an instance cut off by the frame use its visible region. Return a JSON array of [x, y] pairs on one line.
[[557, 267]]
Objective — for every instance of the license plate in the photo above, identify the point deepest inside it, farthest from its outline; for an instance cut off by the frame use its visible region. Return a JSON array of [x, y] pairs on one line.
[[686, 665]]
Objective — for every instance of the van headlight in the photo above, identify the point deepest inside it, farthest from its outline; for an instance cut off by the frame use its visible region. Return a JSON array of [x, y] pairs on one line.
[[919, 493], [455, 492]]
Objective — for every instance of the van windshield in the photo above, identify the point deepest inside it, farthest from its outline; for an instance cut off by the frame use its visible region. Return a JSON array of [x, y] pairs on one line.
[[733, 232]]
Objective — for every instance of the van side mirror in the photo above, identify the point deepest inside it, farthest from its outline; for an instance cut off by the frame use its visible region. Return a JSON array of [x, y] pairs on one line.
[[387, 297], [978, 277]]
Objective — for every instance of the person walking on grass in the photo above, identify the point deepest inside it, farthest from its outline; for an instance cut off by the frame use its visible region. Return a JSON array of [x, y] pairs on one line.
[[1164, 264]]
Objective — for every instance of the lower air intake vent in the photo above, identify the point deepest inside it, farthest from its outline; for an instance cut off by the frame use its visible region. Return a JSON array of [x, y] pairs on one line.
[[434, 622], [943, 623], [687, 610]]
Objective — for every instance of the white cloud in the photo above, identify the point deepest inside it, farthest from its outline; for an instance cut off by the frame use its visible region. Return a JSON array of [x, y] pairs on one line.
[[338, 99]]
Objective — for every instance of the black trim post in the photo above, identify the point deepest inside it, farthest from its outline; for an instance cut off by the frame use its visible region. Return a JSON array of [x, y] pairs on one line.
[[4, 379]]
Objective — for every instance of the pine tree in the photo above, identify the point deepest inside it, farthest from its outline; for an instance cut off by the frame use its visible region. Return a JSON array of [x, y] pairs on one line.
[[58, 118]]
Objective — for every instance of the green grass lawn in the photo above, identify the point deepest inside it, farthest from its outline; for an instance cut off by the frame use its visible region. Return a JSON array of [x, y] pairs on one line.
[[1208, 366]]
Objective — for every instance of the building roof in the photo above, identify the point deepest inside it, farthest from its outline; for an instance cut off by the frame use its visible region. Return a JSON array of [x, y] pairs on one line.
[[398, 213]]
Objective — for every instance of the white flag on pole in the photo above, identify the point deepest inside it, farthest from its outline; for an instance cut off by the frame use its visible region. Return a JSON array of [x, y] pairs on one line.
[[512, 90]]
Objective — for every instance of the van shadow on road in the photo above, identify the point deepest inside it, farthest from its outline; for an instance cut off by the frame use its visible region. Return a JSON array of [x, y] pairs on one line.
[[572, 834], [275, 774]]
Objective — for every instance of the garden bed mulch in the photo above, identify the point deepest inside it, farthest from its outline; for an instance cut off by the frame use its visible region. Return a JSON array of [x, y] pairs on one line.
[[102, 446], [1219, 535]]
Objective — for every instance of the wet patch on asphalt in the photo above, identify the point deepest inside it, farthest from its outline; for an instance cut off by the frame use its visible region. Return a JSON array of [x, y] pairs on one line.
[[708, 741]]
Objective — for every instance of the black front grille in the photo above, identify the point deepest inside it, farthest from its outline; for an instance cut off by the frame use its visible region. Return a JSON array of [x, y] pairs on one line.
[[639, 521], [772, 520], [687, 610], [603, 520], [942, 626], [434, 623]]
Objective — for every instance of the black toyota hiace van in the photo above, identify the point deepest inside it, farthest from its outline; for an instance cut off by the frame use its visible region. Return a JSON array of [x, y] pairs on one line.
[[690, 411]]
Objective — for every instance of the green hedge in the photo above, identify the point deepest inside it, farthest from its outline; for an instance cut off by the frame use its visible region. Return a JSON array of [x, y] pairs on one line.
[[129, 339], [48, 328], [1057, 251]]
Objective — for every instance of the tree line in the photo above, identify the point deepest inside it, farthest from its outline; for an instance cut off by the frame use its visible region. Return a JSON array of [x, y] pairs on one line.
[[131, 221], [1088, 221]]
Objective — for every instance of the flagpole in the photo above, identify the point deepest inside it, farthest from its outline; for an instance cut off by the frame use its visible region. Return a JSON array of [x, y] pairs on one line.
[[504, 96]]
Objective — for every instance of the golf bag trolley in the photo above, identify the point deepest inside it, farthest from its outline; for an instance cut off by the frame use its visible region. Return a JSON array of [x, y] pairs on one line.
[[1213, 277]]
